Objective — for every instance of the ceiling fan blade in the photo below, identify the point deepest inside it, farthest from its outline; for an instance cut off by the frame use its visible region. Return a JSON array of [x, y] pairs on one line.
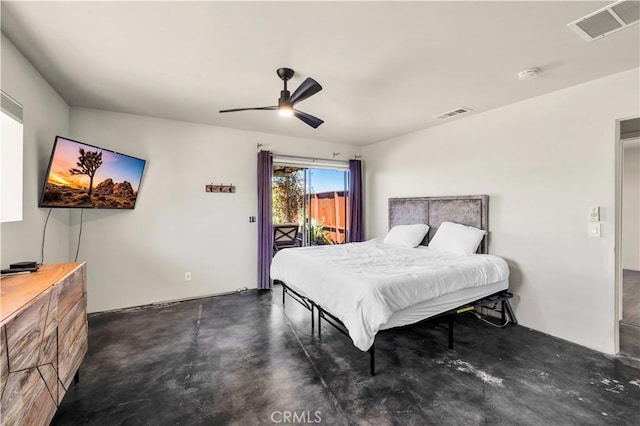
[[267, 108], [308, 88], [308, 118]]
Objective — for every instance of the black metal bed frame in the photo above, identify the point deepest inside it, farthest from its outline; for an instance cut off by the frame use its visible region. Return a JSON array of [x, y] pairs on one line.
[[489, 302]]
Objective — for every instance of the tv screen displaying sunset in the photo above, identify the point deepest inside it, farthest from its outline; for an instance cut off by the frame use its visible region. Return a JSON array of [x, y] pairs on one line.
[[82, 175]]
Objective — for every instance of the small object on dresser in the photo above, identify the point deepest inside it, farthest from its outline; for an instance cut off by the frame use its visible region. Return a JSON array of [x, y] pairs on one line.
[[22, 265], [12, 271]]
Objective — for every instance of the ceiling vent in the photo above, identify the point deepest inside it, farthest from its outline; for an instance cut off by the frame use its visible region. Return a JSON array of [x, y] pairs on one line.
[[452, 113], [608, 20]]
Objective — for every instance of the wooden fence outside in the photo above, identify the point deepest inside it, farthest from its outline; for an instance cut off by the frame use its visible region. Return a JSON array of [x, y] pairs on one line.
[[330, 210]]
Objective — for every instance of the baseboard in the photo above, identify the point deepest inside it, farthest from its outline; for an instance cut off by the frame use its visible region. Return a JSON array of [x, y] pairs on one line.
[[632, 268], [167, 302]]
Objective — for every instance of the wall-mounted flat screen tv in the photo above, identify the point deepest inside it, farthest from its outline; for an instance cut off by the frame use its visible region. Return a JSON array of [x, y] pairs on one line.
[[86, 176]]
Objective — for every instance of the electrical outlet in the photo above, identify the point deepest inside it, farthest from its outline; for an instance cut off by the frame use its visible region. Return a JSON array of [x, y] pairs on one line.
[[187, 276]]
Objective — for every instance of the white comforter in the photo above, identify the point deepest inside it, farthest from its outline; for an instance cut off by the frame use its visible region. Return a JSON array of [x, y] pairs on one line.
[[363, 284]]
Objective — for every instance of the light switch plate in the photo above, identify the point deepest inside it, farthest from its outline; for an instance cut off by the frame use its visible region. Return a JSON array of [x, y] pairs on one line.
[[594, 214], [594, 229]]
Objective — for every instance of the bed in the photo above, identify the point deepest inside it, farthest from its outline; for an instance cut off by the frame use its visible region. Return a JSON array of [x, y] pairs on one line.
[[363, 288]]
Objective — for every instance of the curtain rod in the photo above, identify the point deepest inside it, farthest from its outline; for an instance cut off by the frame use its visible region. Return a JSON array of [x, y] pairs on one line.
[[313, 159]]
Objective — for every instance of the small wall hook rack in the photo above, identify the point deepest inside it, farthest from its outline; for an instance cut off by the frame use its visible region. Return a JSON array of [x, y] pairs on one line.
[[222, 188]]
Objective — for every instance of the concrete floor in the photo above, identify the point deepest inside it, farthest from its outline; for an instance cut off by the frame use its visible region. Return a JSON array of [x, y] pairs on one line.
[[238, 360]]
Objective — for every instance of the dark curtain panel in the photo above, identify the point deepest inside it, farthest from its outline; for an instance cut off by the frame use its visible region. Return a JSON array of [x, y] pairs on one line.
[[356, 225], [265, 222]]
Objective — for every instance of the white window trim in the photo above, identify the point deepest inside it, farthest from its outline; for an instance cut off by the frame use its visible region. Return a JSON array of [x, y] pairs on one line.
[[11, 160]]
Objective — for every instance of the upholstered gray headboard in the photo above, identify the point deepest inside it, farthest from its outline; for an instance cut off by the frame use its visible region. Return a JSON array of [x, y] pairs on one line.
[[471, 210]]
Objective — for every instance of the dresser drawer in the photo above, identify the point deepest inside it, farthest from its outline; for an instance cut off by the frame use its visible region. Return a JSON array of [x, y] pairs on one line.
[[72, 342], [25, 333], [26, 400], [70, 290]]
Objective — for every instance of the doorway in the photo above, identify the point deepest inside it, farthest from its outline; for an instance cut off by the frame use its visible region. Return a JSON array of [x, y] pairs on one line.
[[313, 198], [628, 236]]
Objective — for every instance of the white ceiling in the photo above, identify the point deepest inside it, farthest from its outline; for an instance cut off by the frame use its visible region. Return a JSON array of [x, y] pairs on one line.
[[386, 67]]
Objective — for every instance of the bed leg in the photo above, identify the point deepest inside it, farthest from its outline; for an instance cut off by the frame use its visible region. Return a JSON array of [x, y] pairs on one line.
[[507, 307], [372, 360], [284, 292], [451, 331], [312, 318], [319, 322]]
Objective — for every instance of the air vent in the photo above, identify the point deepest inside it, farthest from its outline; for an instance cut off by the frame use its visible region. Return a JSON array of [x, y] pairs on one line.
[[452, 113], [608, 20]]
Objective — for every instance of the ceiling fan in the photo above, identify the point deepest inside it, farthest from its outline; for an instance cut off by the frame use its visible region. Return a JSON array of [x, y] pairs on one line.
[[285, 107]]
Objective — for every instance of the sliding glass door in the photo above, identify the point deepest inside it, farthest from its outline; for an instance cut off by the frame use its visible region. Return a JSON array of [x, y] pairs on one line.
[[325, 213], [313, 198]]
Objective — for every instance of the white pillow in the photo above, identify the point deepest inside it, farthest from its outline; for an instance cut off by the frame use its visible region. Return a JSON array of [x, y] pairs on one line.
[[455, 238], [407, 235]]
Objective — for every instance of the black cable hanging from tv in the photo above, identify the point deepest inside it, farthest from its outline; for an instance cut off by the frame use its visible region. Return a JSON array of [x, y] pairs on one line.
[[79, 235], [44, 233]]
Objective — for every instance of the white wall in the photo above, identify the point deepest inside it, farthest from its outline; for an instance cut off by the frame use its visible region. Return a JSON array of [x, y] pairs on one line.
[[140, 256], [631, 206], [45, 116], [544, 162]]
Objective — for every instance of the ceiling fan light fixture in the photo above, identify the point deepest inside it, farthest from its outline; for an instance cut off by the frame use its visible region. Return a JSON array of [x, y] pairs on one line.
[[285, 110]]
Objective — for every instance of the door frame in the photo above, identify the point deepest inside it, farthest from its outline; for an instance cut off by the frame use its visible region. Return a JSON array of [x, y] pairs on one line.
[[309, 163], [619, 153]]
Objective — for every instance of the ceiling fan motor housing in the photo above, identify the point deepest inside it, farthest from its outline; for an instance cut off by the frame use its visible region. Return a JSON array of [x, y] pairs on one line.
[[285, 73], [284, 98]]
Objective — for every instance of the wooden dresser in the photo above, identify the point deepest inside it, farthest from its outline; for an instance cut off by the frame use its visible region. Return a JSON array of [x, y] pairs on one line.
[[43, 339]]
